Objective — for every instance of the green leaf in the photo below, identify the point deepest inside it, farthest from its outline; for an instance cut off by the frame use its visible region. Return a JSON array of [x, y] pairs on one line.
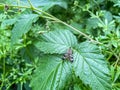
[[77, 87], [107, 15], [94, 23], [98, 1], [46, 4], [2, 17], [77, 26], [8, 22], [91, 66], [117, 18], [117, 3], [51, 74], [22, 26], [56, 41], [117, 75]]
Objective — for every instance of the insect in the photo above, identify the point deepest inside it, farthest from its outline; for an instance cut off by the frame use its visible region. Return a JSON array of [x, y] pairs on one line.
[[6, 7], [68, 55]]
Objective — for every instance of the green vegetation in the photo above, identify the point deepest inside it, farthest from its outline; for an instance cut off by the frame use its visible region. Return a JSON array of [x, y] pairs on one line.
[[59, 45]]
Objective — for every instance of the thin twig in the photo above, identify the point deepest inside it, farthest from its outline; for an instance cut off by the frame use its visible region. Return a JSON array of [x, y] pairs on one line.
[[49, 16]]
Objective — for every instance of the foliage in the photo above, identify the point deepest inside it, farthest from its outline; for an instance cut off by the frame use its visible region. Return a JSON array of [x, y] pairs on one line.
[[59, 45]]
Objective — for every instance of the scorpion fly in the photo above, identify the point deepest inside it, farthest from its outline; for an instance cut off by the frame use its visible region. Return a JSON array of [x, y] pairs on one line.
[[68, 55]]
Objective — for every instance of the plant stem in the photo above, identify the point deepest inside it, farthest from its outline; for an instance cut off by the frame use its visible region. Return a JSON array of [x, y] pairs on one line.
[[30, 4], [3, 75], [60, 21], [117, 56], [21, 85], [112, 53], [49, 16]]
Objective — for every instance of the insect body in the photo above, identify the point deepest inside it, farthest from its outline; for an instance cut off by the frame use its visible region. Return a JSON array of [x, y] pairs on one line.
[[68, 55]]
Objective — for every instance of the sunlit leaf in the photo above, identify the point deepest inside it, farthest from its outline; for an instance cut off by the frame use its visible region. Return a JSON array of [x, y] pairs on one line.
[[51, 74], [45, 4], [56, 41], [91, 67], [89, 64]]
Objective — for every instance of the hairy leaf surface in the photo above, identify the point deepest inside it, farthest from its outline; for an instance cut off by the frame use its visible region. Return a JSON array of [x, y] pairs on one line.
[[56, 41], [89, 64], [91, 67], [51, 74]]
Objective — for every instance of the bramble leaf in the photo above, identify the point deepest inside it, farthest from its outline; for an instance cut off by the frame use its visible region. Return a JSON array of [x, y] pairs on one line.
[[91, 66], [51, 74], [56, 41]]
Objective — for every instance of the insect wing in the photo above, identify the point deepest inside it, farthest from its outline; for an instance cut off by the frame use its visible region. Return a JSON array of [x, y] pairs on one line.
[[69, 51]]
